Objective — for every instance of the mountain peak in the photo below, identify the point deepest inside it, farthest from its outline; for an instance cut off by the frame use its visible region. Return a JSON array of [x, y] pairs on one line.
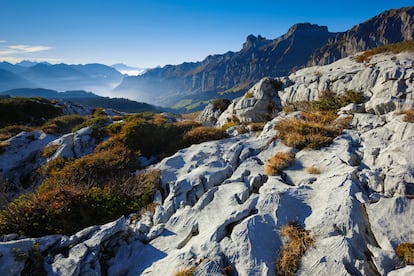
[[253, 41], [307, 27]]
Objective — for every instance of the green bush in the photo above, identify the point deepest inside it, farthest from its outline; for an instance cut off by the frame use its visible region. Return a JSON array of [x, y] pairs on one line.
[[327, 101], [202, 134], [277, 84], [63, 124], [221, 104], [12, 130], [27, 111], [65, 209]]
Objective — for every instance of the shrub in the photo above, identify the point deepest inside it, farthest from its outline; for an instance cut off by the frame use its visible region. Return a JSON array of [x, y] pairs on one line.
[[406, 252], [328, 101], [351, 96], [189, 271], [221, 104], [102, 167], [65, 209], [53, 166], [98, 112], [255, 126], [93, 122], [278, 162], [48, 151], [313, 130], [202, 134], [231, 122], [409, 115], [248, 95], [10, 131], [277, 84], [228, 125], [63, 124], [395, 48], [298, 241], [313, 170], [27, 111]]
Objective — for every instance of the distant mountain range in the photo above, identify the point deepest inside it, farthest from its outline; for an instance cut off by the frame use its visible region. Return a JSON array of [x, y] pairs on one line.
[[128, 70], [96, 77], [229, 75], [230, 72], [190, 85], [83, 98]]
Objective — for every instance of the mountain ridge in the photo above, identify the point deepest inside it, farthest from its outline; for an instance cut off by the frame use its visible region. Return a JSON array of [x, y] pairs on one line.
[[388, 27], [192, 84], [83, 98], [61, 76], [257, 58]]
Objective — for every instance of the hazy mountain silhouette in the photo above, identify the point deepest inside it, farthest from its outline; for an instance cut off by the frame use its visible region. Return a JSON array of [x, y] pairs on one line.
[[231, 72]]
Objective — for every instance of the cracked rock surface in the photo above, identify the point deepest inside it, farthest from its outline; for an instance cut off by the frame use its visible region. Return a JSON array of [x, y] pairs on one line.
[[218, 209]]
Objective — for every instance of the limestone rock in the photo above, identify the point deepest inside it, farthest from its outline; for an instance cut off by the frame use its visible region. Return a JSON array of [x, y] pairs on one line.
[[386, 82], [259, 104], [209, 115]]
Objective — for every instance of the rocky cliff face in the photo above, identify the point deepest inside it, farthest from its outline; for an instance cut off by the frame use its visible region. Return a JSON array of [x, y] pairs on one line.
[[388, 27], [231, 72], [217, 209]]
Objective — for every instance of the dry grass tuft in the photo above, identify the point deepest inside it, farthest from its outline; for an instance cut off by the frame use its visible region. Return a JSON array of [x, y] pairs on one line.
[[409, 115], [256, 126], [395, 48], [406, 252], [48, 151], [3, 146], [298, 241], [313, 170], [313, 130], [278, 162], [185, 272]]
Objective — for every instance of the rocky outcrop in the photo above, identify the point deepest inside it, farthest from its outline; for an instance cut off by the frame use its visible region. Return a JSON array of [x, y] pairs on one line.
[[259, 104], [386, 81], [217, 208], [209, 115], [388, 27], [232, 72], [22, 155]]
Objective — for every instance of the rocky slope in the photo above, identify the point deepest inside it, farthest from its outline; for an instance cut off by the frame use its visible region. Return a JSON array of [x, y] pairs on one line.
[[217, 209], [232, 72], [388, 27]]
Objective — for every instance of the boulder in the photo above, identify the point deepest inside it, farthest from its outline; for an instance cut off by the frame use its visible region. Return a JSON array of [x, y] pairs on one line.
[[259, 104]]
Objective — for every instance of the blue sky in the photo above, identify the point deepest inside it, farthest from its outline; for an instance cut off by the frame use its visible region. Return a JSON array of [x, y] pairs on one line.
[[148, 33]]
